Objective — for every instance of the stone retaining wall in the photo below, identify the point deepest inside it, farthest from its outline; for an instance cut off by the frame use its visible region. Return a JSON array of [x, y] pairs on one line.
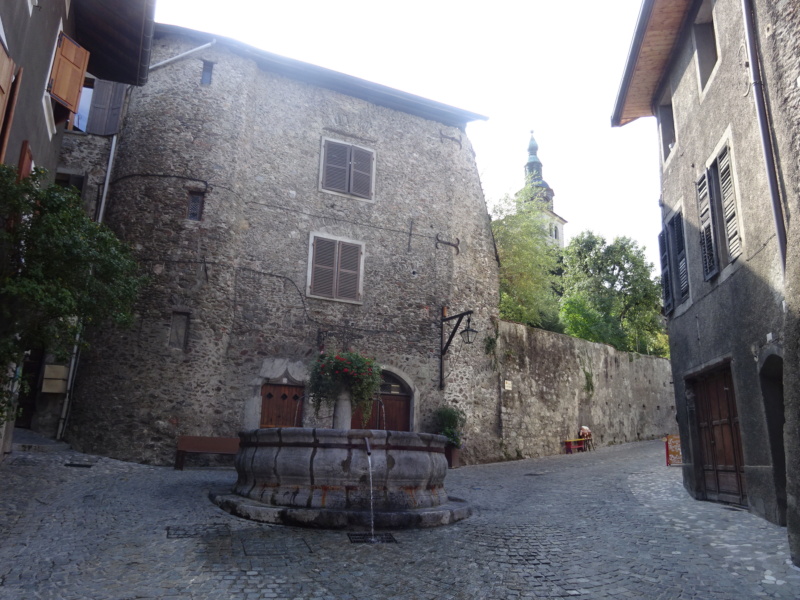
[[548, 385]]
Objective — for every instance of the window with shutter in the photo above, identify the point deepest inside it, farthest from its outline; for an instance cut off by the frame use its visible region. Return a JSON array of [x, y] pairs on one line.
[[6, 77], [666, 279], [727, 199], [347, 169], [9, 90], [66, 76], [25, 165], [708, 250], [105, 109], [676, 228], [720, 238], [336, 267]]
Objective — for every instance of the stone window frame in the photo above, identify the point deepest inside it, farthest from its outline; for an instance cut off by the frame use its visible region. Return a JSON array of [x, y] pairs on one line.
[[208, 73], [315, 277], [350, 188], [195, 205], [706, 45], [186, 316]]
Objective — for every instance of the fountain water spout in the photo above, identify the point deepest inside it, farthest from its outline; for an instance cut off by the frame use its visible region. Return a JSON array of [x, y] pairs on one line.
[[369, 450]]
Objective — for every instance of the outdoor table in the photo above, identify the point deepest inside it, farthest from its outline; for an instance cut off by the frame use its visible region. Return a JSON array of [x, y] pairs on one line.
[[576, 444]]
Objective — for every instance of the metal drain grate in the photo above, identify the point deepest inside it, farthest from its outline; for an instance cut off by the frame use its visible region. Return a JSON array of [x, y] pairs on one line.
[[368, 538]]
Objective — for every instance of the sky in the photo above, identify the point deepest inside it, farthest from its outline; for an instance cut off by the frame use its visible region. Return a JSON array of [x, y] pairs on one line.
[[551, 67]]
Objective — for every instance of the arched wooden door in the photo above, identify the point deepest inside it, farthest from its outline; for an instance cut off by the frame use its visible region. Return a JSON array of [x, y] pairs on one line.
[[281, 405], [393, 411]]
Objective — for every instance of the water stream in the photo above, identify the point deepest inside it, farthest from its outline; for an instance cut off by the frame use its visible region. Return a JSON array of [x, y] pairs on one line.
[[372, 537]]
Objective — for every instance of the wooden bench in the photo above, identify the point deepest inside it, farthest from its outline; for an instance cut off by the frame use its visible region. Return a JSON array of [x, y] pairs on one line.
[[198, 444]]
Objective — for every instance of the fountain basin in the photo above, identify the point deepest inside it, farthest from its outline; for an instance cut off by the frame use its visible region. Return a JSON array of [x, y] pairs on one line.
[[320, 478]]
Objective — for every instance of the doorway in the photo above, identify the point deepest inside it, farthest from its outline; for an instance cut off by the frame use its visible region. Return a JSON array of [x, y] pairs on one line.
[[393, 411], [720, 440], [281, 405], [771, 379]]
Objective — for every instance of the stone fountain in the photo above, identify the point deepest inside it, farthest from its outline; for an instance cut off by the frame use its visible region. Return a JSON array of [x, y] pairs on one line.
[[318, 477]]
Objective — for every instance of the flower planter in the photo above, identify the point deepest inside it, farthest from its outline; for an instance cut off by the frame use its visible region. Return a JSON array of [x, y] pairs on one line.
[[453, 456]]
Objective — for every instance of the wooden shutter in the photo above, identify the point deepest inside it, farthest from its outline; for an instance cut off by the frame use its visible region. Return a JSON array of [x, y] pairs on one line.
[[708, 249], [728, 204], [336, 166], [347, 275], [679, 248], [6, 77], [106, 110], [69, 70], [361, 173], [666, 279], [323, 268], [9, 87], [25, 164]]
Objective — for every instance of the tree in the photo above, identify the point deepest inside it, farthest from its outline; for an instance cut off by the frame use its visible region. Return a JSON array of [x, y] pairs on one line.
[[609, 295], [528, 261], [59, 270]]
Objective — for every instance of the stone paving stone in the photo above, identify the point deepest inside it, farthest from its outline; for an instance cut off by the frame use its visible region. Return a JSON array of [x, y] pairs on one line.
[[610, 524]]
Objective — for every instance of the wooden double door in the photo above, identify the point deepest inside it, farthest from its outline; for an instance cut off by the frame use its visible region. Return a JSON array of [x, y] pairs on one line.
[[720, 440], [282, 406]]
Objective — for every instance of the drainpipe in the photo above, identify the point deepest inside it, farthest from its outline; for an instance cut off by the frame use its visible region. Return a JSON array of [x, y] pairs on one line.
[[763, 126], [73, 361], [110, 165], [180, 56]]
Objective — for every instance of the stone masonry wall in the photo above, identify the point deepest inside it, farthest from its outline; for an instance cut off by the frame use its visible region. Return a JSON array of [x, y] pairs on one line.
[[251, 142], [559, 383], [778, 22]]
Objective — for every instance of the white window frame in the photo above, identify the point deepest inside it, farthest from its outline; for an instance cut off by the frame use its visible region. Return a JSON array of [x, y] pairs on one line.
[[336, 238], [49, 118]]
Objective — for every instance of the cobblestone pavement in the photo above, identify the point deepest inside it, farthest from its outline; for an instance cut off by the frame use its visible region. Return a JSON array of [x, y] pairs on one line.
[[611, 524]]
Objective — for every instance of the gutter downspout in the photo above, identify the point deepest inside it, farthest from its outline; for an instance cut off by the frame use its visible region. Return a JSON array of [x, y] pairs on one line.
[[763, 126], [180, 56], [73, 361], [111, 156]]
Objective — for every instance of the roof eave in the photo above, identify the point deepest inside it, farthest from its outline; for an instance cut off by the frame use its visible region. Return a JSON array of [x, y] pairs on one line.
[[654, 43]]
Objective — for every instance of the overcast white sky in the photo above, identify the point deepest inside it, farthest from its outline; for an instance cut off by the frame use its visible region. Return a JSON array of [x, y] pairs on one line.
[[553, 67]]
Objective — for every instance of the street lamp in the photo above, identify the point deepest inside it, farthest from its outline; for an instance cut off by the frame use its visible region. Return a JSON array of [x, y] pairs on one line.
[[468, 334]]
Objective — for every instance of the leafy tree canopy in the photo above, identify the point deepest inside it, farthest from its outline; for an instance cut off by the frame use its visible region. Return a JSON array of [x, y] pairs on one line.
[[59, 270], [609, 296], [528, 261]]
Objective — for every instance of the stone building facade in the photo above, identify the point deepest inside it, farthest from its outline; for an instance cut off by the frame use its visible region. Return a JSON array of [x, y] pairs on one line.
[[263, 245], [48, 52], [720, 76]]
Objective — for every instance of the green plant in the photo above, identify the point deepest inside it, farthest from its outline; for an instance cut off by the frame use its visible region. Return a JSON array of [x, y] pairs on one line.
[[335, 372], [450, 422], [59, 271], [588, 387]]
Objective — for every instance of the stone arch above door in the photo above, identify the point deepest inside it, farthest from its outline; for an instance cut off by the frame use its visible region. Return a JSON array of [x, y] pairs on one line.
[[275, 372]]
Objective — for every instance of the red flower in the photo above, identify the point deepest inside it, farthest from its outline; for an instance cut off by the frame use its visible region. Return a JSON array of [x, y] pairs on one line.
[[345, 370]]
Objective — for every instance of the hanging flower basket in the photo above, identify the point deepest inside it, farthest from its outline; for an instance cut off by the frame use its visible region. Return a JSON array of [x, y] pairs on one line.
[[335, 372]]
